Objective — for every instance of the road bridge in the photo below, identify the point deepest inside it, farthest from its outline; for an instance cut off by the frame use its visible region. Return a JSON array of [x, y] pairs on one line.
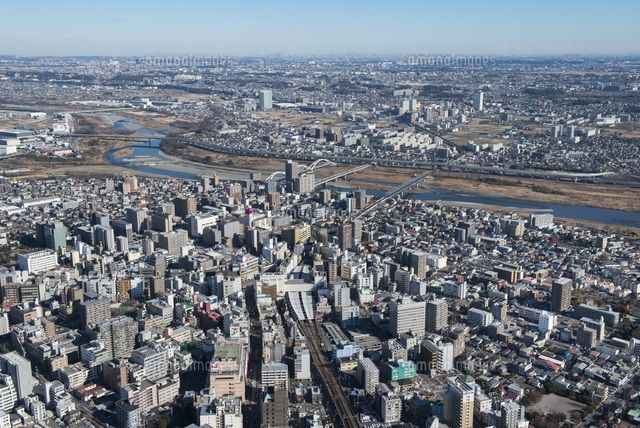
[[342, 174], [394, 192], [320, 163]]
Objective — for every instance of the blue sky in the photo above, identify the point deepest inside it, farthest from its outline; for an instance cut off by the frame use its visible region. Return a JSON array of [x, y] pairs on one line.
[[250, 27]]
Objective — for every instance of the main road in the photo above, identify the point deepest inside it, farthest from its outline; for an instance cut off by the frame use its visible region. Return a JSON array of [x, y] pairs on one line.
[[253, 387]]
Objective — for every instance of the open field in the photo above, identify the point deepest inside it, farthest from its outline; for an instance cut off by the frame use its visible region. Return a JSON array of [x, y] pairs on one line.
[[552, 403], [24, 122], [481, 131], [162, 122], [298, 120], [91, 124], [623, 130]]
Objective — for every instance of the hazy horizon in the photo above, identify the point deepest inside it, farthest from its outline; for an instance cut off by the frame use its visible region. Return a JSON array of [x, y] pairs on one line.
[[289, 28]]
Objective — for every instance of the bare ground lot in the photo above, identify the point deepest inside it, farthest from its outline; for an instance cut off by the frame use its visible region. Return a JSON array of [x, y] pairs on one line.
[[480, 131], [552, 403]]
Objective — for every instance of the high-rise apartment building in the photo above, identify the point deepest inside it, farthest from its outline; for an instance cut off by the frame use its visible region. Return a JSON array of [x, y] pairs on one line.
[[369, 374], [184, 206], [19, 369], [290, 173], [345, 235], [458, 403], [104, 236], [136, 216], [478, 101], [437, 313], [561, 294], [154, 359], [512, 415], [119, 335], [265, 101], [8, 394], [479, 318], [173, 241], [94, 311], [390, 408]]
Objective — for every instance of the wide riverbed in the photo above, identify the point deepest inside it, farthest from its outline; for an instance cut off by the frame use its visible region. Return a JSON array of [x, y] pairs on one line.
[[577, 212]]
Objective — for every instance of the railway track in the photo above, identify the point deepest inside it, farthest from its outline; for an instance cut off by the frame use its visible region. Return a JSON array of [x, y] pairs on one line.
[[347, 417]]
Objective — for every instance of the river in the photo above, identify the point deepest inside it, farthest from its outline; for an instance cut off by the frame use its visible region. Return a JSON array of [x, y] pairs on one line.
[[577, 212], [125, 123]]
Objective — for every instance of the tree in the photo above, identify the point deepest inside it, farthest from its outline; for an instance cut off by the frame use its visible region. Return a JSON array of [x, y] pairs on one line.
[[164, 421], [525, 401]]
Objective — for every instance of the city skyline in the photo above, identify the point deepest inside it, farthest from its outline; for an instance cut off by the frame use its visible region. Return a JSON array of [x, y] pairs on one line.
[[320, 214], [265, 28]]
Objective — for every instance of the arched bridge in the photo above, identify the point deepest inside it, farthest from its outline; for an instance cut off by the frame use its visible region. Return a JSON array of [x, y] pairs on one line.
[[319, 163]]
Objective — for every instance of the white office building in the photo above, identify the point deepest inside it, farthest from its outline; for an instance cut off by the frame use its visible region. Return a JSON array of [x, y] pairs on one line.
[[265, 102], [369, 374], [302, 364], [19, 368], [38, 262], [390, 409], [407, 316], [275, 375], [547, 321], [198, 223], [478, 101], [479, 318]]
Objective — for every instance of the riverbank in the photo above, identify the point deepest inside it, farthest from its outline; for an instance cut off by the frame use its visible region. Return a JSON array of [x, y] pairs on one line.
[[385, 178], [548, 191], [631, 231], [180, 152], [602, 206], [584, 194]]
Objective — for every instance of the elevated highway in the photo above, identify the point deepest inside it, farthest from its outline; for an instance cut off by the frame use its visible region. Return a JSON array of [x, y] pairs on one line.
[[606, 177]]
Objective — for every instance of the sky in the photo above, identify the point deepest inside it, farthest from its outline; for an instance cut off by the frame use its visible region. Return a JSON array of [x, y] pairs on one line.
[[318, 27]]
